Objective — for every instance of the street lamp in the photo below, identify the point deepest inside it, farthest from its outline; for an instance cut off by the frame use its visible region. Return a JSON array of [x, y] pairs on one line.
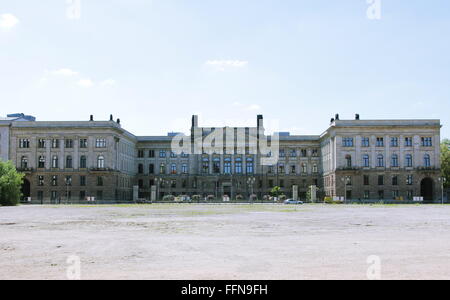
[[158, 181], [68, 181], [443, 180], [251, 182]]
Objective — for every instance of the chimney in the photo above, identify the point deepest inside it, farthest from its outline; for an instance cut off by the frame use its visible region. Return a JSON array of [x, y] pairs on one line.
[[332, 120], [337, 117], [118, 121], [92, 118], [357, 117], [260, 121], [111, 118], [194, 121]]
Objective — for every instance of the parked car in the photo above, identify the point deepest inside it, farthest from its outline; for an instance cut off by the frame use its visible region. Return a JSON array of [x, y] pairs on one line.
[[292, 201]]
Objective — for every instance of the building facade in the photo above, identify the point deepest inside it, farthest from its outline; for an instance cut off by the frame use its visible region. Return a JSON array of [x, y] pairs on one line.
[[356, 159]]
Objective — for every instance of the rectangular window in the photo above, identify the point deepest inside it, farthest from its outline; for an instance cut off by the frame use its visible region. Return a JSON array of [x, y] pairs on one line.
[[68, 143], [55, 143], [99, 181], [82, 180], [427, 141], [54, 180], [40, 195], [394, 141], [99, 195], [380, 142], [83, 143], [82, 195], [41, 143], [151, 168], [366, 194], [366, 180], [381, 195], [100, 143], [54, 195], [395, 194], [24, 143], [184, 169], [162, 153], [365, 142], [395, 180], [151, 153], [140, 153], [380, 180], [40, 180], [347, 142], [409, 180]]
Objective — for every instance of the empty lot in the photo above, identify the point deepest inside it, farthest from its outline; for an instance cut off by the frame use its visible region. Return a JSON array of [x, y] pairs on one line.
[[225, 241]]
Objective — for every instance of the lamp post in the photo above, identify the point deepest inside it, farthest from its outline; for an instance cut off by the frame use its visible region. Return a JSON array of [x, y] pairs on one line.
[[68, 181], [443, 180], [158, 181], [251, 182]]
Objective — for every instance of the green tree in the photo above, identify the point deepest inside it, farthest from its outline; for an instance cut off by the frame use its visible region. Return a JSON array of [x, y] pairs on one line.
[[445, 161], [275, 191], [10, 184]]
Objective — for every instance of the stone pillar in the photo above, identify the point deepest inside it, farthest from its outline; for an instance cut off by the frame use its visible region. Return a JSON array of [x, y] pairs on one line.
[[295, 192], [153, 193]]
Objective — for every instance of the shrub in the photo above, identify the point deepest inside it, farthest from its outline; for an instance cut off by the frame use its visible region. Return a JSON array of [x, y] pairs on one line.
[[210, 198], [196, 198], [10, 184], [169, 198], [239, 197], [283, 197]]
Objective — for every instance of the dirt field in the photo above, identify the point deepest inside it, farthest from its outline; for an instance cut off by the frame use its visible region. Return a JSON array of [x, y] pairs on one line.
[[225, 241]]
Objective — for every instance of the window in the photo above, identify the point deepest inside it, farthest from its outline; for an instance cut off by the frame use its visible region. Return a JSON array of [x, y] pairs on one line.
[[304, 152], [315, 153], [238, 165], [140, 153], [366, 180], [184, 155], [41, 162], [293, 169], [162, 153], [427, 141], [162, 168], [173, 154], [141, 183], [282, 153], [173, 169], [151, 168], [99, 195], [304, 168], [395, 194], [347, 142], [281, 183], [366, 161], [69, 164], [54, 180], [380, 180], [250, 166], [184, 168], [55, 143], [394, 161], [100, 143], [83, 162], [173, 184], [315, 169], [54, 195], [366, 194], [394, 141], [409, 180], [395, 180], [151, 153], [381, 195], [408, 141], [216, 165], [427, 161], [40, 180], [380, 142], [380, 160], [101, 162], [82, 195], [293, 153], [348, 160], [409, 195], [99, 181], [82, 180], [365, 142], [140, 168], [68, 180], [408, 160], [40, 195], [24, 143], [227, 165], [83, 143], [68, 143], [281, 169], [55, 161], [205, 165], [41, 143]]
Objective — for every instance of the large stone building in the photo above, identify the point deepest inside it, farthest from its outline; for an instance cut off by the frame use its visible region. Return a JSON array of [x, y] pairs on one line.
[[356, 159]]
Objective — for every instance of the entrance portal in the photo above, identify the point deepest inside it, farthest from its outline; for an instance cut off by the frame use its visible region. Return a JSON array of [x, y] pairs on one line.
[[26, 189], [426, 190]]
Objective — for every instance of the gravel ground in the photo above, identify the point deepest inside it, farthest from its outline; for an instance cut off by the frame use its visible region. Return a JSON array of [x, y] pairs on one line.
[[225, 241]]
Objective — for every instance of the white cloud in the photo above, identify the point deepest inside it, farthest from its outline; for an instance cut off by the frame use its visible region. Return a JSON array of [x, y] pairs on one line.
[[64, 72], [222, 65], [8, 21], [108, 82], [85, 83]]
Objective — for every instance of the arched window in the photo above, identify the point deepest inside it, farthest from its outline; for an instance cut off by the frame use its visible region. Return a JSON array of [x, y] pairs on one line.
[[162, 168], [55, 161], [348, 159], [250, 165], [304, 168], [227, 165], [173, 169], [24, 162], [366, 161], [427, 160], [394, 161], [69, 162], [408, 160], [83, 162], [380, 160], [101, 162]]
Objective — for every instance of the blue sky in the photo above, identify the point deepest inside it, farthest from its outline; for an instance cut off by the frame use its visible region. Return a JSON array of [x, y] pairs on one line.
[[155, 63]]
